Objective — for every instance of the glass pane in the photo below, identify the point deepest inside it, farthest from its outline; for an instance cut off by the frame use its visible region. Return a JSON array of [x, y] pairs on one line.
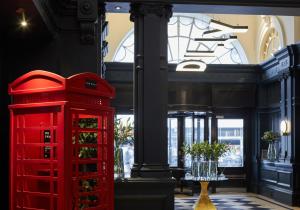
[[172, 142], [209, 129], [188, 139], [128, 146], [198, 129], [230, 131]]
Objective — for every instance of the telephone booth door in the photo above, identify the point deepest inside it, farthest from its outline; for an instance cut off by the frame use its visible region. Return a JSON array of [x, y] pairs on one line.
[[36, 137], [91, 163]]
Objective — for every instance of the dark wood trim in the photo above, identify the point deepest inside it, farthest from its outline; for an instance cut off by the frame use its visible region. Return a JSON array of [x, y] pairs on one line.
[[237, 74]]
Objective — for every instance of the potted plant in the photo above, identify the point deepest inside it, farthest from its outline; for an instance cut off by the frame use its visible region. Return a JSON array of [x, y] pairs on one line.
[[205, 157], [271, 137], [123, 133]]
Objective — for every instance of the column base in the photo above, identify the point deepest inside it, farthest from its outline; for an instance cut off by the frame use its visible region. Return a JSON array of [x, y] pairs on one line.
[[144, 194]]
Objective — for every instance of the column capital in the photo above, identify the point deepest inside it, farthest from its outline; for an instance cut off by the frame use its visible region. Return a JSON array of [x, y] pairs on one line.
[[142, 9], [285, 74]]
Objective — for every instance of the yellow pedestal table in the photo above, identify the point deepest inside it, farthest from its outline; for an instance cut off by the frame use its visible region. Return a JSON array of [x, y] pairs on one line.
[[204, 202]]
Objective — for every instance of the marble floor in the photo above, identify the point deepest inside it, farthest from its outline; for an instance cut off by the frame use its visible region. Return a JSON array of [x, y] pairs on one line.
[[233, 201]]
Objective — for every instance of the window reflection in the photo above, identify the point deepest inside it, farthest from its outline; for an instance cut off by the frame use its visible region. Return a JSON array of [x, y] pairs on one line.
[[230, 131], [193, 127], [172, 142]]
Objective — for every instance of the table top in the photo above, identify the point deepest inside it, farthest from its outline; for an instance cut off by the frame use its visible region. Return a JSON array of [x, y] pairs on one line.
[[204, 179]]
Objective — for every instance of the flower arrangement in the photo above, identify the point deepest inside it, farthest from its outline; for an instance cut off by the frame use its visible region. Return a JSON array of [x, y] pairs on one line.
[[205, 157], [206, 151], [270, 136]]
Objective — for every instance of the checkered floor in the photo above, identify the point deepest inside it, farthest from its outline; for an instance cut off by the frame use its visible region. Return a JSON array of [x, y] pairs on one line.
[[229, 202]]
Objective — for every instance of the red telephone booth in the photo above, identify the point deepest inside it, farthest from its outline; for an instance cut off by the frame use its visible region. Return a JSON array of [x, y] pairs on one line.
[[61, 142]]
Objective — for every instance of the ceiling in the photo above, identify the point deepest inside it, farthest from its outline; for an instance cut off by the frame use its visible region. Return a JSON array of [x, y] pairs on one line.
[[9, 18], [255, 7]]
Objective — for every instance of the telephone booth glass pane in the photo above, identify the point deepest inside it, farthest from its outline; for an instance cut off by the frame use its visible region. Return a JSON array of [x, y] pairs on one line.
[[90, 156]]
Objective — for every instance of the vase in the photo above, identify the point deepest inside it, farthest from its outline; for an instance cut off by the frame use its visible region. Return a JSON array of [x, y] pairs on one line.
[[204, 168], [119, 163], [213, 169], [272, 153], [208, 169], [195, 167]]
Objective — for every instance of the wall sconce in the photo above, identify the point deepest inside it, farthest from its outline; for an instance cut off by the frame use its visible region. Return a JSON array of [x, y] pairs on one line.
[[284, 127]]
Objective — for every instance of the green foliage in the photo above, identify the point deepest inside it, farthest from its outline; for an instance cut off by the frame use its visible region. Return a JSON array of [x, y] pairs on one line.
[[195, 150], [88, 152], [123, 132], [270, 136], [205, 150], [88, 123], [218, 150]]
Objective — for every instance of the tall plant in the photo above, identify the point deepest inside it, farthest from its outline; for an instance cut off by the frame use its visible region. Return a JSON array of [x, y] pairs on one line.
[[123, 133]]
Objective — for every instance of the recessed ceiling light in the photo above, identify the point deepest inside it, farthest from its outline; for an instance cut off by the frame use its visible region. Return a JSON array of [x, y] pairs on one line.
[[24, 23], [118, 7], [23, 20]]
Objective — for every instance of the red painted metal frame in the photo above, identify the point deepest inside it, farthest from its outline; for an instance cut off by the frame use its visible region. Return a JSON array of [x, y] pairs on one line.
[[61, 142]]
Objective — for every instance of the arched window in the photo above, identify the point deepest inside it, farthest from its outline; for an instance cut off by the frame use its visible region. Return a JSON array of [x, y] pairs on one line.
[[182, 30]]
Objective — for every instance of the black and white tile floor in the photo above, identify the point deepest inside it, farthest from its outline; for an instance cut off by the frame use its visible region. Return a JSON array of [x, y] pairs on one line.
[[232, 202]]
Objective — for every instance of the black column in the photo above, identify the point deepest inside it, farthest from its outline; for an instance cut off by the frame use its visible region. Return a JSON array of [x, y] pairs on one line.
[[151, 186], [150, 89]]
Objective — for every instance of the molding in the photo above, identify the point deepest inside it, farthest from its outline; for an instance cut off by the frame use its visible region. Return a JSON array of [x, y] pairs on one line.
[[87, 14], [282, 65], [274, 68], [237, 74], [274, 3]]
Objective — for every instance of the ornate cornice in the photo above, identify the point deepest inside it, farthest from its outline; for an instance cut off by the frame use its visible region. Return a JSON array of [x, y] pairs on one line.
[[282, 64], [142, 9]]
